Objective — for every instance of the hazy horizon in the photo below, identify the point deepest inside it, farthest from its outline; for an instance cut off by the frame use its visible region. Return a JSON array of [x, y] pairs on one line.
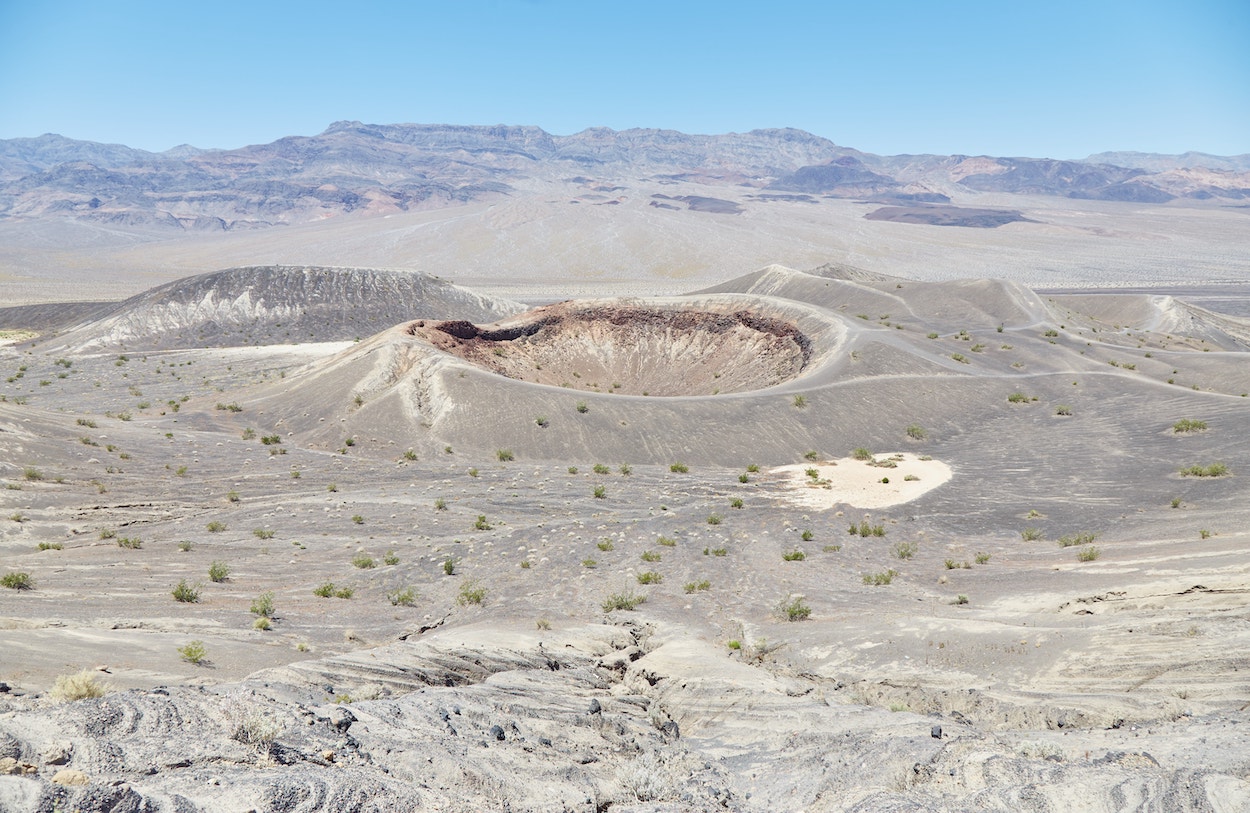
[[1064, 80]]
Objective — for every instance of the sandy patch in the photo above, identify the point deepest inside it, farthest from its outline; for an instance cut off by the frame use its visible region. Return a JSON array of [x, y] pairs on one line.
[[859, 483]]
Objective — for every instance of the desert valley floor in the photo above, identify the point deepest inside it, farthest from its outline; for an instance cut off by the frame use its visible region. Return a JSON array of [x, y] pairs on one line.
[[346, 539]]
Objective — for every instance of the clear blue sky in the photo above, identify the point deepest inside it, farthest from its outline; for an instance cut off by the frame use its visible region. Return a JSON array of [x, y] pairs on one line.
[[1045, 79]]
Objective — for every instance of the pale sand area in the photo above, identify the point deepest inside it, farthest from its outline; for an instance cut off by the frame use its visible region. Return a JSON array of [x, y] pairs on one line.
[[858, 483]]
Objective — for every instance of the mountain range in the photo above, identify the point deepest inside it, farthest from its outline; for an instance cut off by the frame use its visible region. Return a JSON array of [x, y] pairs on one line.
[[353, 168]]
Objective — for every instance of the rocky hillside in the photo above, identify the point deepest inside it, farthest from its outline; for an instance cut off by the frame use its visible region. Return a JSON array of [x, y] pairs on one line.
[[354, 168]]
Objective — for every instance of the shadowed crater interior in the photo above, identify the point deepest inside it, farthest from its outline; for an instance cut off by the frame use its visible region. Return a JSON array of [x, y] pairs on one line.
[[631, 349]]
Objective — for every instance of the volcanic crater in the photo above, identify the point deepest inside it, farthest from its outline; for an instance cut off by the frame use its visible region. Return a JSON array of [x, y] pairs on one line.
[[633, 347]]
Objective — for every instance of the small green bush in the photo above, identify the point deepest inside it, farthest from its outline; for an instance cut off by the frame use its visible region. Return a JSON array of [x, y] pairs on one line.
[[358, 519], [600, 492], [806, 536], [735, 503], [582, 408], [753, 468], [471, 593], [402, 598], [17, 580], [1213, 470], [440, 504], [390, 558], [800, 402], [916, 432], [625, 600], [186, 593], [794, 609], [982, 558], [744, 478], [262, 623], [1031, 534], [713, 519], [449, 566], [1072, 540], [131, 542], [262, 533], [324, 590], [51, 546], [679, 468], [650, 577], [1185, 425], [1088, 554], [263, 605], [666, 541], [1018, 398], [861, 454], [363, 561], [699, 586], [193, 652], [794, 556], [905, 550], [481, 524], [215, 527], [878, 579], [600, 468], [504, 455], [218, 572]]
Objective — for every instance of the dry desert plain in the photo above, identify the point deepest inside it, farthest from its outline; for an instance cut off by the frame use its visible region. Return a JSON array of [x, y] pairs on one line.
[[789, 540]]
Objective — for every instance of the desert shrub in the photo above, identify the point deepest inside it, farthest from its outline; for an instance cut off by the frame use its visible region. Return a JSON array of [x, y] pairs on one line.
[[1018, 398], [916, 432], [600, 468], [794, 609], [232, 496], [449, 566], [650, 556], [363, 561], [878, 579], [262, 533], [1088, 554], [582, 408], [699, 586], [1213, 470], [263, 605], [960, 600], [17, 580], [344, 592], [402, 598], [271, 440], [736, 502], [666, 541], [794, 555], [650, 577], [910, 478], [905, 550], [504, 455], [831, 548], [1176, 502], [753, 468], [1072, 540], [1063, 409], [229, 407], [51, 546], [481, 524], [1188, 425], [185, 545], [960, 357], [131, 542], [861, 454], [625, 470], [713, 519], [679, 468], [390, 558], [324, 590], [799, 402], [589, 563], [1204, 534], [744, 478], [605, 545], [541, 420], [716, 551], [624, 600], [218, 571], [262, 623], [471, 592], [1031, 534], [982, 558], [600, 492], [33, 474], [806, 536], [186, 593], [1051, 334], [813, 473], [215, 527], [358, 519], [440, 504], [811, 455], [410, 454], [81, 686], [193, 652]]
